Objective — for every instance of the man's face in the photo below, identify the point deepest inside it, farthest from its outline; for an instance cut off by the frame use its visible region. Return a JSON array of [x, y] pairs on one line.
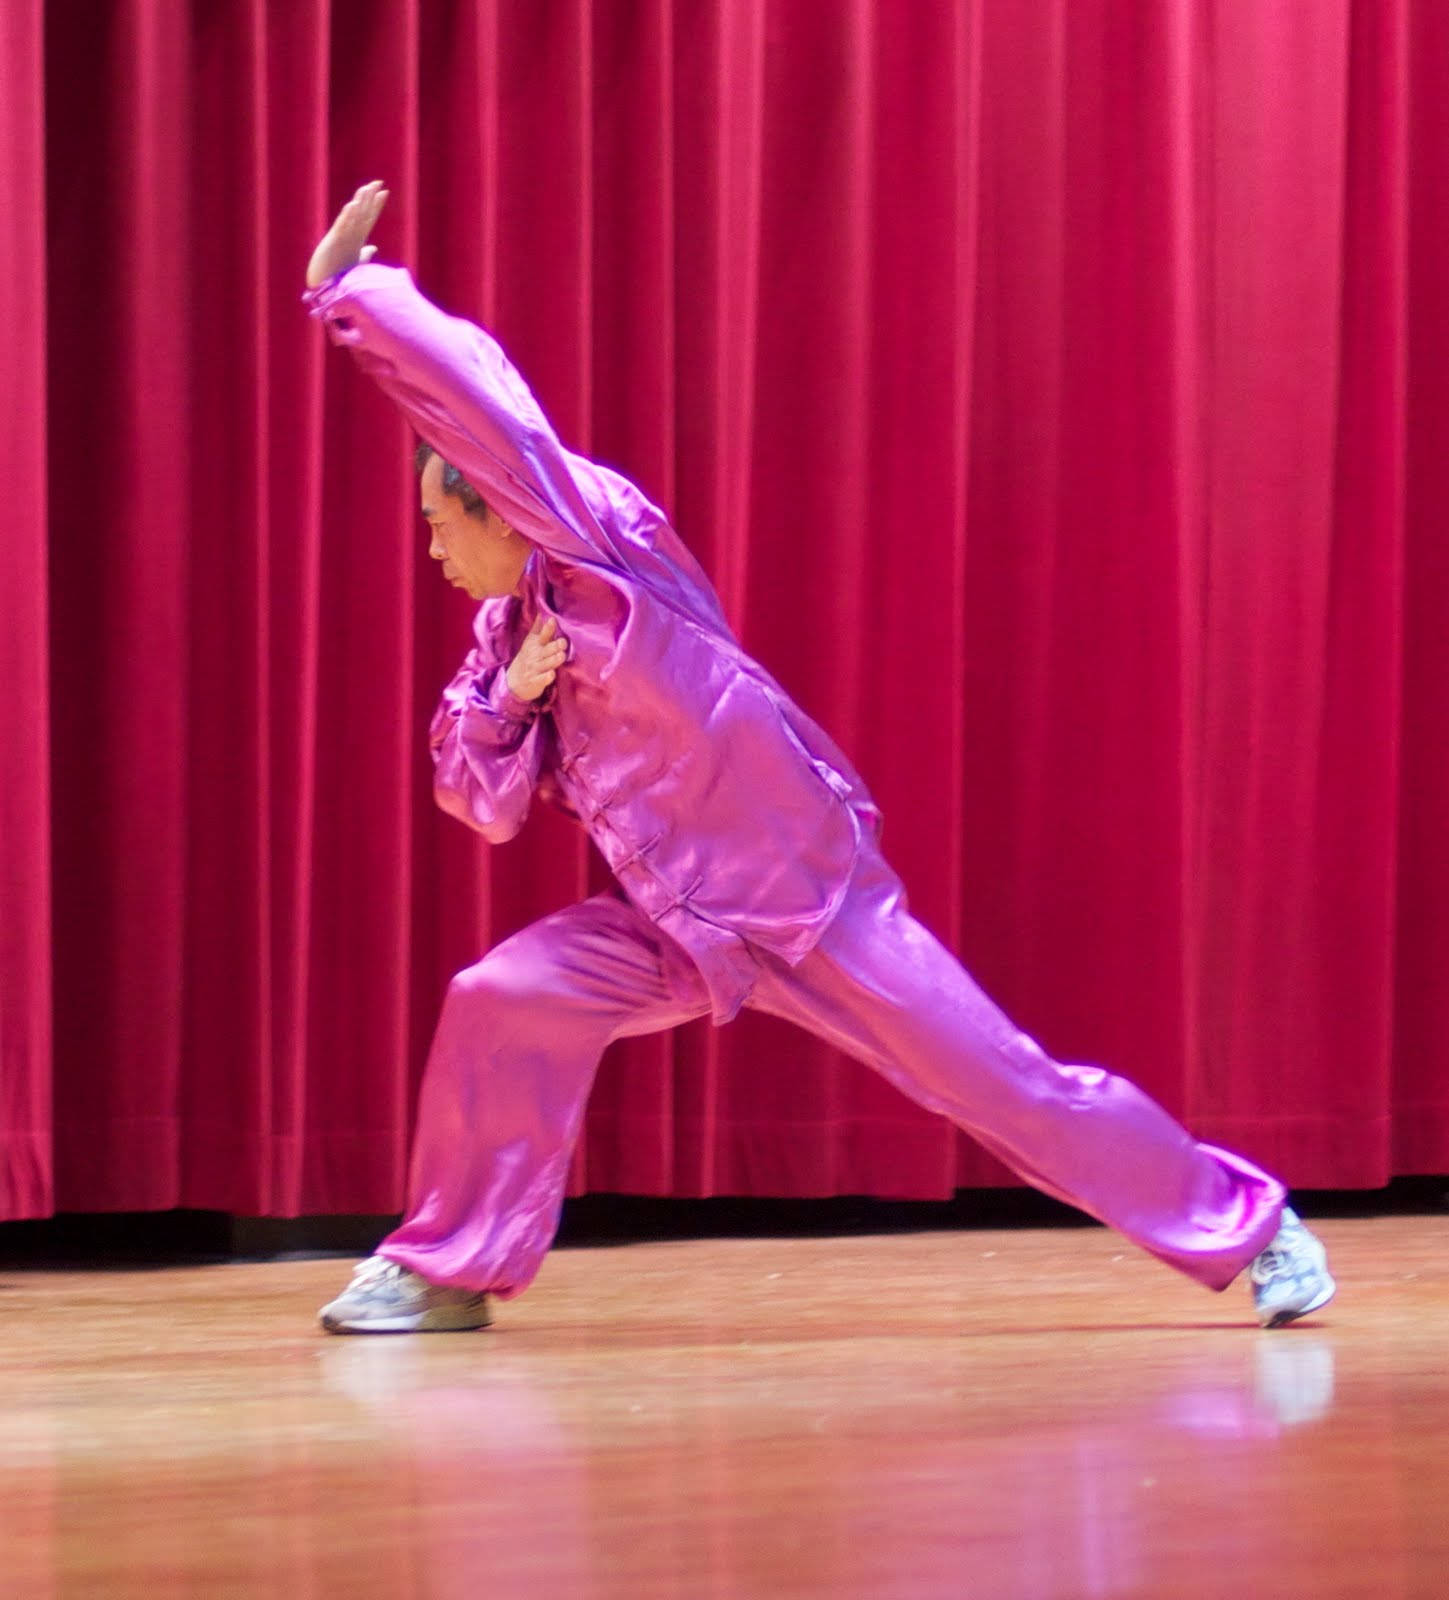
[[481, 555]]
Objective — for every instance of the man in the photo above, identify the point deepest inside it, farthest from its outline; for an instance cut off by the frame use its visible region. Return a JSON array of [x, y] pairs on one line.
[[605, 678]]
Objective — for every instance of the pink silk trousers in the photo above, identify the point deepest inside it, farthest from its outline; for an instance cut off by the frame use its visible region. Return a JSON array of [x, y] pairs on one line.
[[521, 1034]]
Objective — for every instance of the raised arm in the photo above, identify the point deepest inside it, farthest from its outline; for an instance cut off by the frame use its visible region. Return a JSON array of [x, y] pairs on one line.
[[454, 384]]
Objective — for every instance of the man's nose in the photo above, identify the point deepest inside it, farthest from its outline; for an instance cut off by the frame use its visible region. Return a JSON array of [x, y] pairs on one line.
[[435, 548]]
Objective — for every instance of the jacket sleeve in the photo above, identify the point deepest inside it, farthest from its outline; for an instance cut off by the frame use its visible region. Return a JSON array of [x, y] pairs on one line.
[[487, 748], [461, 393]]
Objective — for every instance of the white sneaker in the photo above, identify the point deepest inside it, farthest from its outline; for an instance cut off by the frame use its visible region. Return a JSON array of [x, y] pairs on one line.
[[384, 1297], [1290, 1278]]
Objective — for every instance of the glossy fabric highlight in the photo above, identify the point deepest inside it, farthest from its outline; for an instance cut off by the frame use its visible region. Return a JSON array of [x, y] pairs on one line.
[[744, 847], [670, 744], [521, 1034]]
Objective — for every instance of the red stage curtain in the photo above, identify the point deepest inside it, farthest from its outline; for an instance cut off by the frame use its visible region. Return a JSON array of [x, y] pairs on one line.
[[1056, 390], [25, 972]]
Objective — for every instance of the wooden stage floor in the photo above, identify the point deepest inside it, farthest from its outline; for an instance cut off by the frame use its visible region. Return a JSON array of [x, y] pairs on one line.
[[1007, 1414]]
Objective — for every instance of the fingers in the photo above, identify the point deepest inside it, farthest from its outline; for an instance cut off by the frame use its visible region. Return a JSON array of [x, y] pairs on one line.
[[364, 208], [546, 660], [540, 656], [345, 242], [370, 196], [531, 683], [544, 636]]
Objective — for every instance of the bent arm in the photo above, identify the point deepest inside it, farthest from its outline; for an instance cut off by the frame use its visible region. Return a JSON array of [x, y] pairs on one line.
[[487, 748], [461, 393]]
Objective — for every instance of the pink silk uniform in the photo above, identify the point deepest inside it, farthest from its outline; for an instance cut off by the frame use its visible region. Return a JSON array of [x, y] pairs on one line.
[[744, 847]]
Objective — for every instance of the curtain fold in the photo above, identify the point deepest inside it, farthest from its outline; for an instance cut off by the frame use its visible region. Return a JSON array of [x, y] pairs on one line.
[[1420, 999], [1055, 391], [26, 1176]]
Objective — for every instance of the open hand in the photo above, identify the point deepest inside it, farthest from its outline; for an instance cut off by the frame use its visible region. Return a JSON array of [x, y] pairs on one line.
[[539, 657], [345, 243]]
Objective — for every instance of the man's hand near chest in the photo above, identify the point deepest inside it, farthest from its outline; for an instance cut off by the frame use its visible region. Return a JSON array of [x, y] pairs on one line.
[[538, 660]]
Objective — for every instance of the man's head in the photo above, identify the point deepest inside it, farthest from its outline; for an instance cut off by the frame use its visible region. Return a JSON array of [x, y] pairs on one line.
[[479, 551]]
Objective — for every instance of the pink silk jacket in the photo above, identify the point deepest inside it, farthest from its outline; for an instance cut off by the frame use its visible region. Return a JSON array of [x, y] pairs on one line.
[[726, 815]]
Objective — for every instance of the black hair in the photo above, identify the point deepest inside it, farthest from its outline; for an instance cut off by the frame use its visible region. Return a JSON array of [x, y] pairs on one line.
[[454, 482]]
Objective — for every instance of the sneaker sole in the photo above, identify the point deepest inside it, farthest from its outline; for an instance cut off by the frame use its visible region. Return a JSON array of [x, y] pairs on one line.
[[1281, 1319], [418, 1322]]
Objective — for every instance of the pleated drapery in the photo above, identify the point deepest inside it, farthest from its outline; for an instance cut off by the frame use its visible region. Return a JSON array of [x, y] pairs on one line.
[[1056, 391], [25, 957]]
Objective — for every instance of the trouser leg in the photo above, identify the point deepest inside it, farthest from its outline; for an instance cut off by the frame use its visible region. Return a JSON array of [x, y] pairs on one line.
[[884, 990], [511, 1065]]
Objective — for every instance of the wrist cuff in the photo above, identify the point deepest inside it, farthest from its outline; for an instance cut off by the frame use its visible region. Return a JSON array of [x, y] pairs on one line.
[[501, 700]]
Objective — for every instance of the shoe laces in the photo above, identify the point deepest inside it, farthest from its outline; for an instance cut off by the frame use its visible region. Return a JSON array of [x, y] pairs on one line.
[[1270, 1262], [1278, 1255], [376, 1269]]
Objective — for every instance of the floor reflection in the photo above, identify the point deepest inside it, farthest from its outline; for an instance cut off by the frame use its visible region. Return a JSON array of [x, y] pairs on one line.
[[735, 1418], [1286, 1381], [866, 1468]]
